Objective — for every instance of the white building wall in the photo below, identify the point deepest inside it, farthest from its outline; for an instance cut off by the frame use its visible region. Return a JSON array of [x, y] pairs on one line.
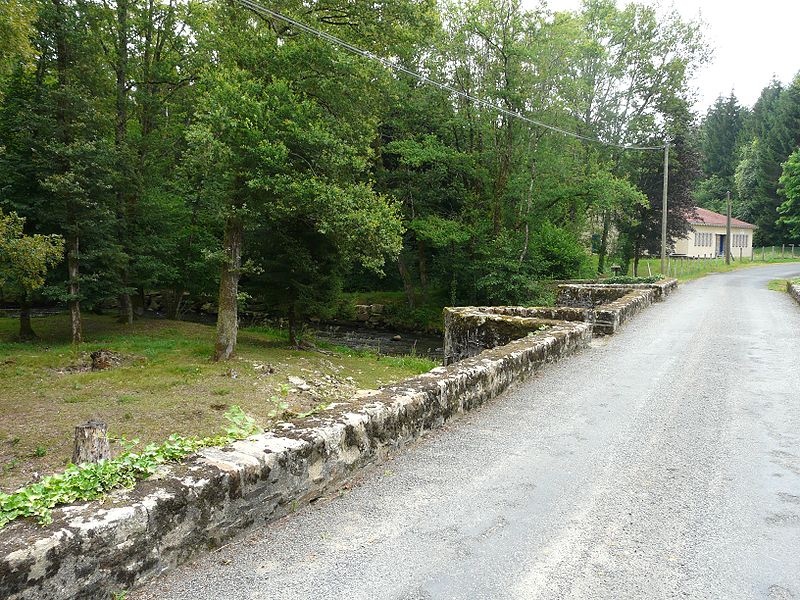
[[704, 241]]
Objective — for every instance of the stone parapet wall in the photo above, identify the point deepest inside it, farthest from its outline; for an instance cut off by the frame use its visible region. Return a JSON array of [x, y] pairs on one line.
[[470, 330], [595, 294], [96, 548], [588, 295], [794, 290], [609, 317], [661, 289]]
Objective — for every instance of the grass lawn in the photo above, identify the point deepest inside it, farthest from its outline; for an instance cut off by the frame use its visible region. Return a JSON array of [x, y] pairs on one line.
[[686, 269], [165, 384]]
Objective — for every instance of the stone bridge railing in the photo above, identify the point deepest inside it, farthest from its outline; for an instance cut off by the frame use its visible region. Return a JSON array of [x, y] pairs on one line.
[[794, 290], [470, 330], [93, 549]]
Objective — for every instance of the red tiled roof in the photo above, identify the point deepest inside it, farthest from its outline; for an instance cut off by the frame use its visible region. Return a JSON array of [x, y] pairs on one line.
[[709, 217]]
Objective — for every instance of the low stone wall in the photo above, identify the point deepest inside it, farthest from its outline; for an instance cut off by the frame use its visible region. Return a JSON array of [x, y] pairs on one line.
[[595, 294], [609, 317], [93, 549], [588, 295], [661, 289], [794, 290], [469, 330]]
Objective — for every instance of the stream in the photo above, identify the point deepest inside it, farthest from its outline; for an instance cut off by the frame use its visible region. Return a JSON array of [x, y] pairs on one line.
[[381, 340]]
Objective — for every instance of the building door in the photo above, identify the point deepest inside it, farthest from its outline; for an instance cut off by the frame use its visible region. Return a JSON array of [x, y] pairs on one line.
[[721, 251]]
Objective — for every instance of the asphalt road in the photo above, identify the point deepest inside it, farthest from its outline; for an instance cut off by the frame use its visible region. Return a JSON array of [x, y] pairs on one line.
[[663, 462]]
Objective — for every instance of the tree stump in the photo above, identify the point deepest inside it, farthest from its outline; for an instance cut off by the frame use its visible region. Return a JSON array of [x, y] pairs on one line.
[[91, 443]]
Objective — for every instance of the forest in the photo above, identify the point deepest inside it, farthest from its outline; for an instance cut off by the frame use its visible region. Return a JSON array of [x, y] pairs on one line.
[[217, 156]]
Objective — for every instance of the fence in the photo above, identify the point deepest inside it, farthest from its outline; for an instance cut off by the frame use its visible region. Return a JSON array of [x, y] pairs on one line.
[[681, 267]]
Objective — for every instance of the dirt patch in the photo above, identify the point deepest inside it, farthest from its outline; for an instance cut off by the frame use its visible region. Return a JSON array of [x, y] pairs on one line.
[[99, 360]]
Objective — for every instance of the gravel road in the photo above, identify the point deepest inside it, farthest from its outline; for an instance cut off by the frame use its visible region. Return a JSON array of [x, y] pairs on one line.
[[663, 462]]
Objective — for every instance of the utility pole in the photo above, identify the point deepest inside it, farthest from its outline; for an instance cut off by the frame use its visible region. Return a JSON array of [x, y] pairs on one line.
[[664, 210], [728, 232]]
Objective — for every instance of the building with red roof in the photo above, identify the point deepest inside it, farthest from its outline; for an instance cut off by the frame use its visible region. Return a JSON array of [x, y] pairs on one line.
[[708, 233]]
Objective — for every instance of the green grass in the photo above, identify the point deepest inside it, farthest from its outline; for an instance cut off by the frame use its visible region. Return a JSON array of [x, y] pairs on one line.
[[782, 285], [688, 269], [166, 384]]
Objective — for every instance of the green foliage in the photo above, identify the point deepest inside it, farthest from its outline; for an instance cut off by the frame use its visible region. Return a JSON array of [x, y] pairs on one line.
[[790, 189], [240, 424], [720, 137], [16, 27], [744, 151], [147, 129], [25, 259], [90, 481]]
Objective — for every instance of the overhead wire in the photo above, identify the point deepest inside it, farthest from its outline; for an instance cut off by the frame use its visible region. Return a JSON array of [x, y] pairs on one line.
[[264, 11]]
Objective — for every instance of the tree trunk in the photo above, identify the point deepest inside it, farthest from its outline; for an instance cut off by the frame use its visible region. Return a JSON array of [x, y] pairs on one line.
[[636, 259], [73, 270], [601, 260], [138, 305], [125, 307], [292, 319], [25, 330], [228, 312], [91, 443], [528, 205], [73, 259], [172, 304], [423, 268], [120, 126], [408, 287]]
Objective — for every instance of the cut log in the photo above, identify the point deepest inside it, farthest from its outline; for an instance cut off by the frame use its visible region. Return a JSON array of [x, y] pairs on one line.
[[91, 443]]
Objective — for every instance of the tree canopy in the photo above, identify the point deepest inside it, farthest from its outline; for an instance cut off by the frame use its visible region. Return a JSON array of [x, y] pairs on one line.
[[207, 154]]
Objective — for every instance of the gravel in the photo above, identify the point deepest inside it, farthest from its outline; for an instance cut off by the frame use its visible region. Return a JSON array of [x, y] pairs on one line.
[[663, 462]]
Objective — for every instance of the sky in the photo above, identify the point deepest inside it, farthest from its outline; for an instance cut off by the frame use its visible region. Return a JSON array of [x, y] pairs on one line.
[[752, 42]]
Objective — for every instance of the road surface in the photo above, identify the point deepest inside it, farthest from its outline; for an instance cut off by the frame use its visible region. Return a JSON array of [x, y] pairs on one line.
[[663, 462]]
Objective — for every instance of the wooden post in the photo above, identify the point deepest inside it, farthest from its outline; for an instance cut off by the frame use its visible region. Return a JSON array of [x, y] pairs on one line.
[[664, 193], [91, 443], [728, 232], [783, 251]]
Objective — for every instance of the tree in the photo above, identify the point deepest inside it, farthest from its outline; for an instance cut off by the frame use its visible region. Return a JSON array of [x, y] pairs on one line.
[[24, 262], [643, 234], [773, 133], [16, 28], [790, 189], [720, 135]]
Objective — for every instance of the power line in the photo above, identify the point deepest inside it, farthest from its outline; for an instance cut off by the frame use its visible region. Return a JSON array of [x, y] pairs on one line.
[[264, 11]]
